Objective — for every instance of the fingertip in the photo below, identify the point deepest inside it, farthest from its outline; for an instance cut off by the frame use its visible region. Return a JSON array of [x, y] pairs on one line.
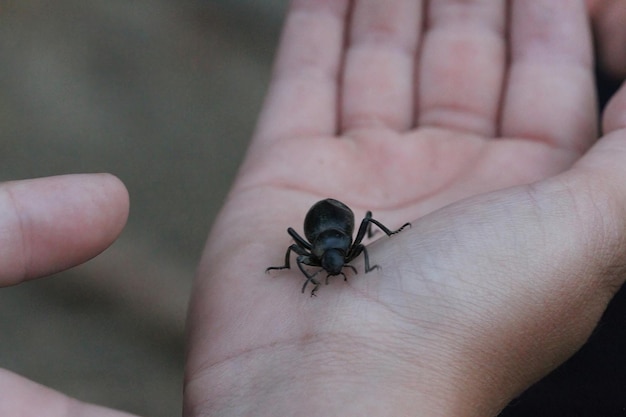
[[117, 194], [51, 224]]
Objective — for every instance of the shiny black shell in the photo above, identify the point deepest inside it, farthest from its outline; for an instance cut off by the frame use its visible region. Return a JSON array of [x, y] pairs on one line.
[[328, 214]]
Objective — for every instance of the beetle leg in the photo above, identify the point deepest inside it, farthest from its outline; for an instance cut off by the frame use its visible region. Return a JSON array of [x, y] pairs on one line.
[[387, 231], [295, 248], [370, 232], [366, 257], [315, 282], [317, 285], [300, 241], [304, 259], [356, 251], [366, 227]]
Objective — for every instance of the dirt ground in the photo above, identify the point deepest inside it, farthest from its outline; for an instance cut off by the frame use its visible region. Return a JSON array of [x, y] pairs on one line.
[[164, 94]]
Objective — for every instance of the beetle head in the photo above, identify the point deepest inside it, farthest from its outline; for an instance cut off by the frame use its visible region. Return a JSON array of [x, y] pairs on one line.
[[332, 261]]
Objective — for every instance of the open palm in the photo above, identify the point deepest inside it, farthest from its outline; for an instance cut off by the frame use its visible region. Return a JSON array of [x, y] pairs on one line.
[[418, 111], [400, 108]]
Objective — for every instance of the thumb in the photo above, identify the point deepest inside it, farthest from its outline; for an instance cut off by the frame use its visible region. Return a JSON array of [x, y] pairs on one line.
[[527, 272], [588, 204]]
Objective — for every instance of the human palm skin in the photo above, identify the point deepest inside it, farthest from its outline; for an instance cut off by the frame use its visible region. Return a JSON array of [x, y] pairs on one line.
[[471, 123]]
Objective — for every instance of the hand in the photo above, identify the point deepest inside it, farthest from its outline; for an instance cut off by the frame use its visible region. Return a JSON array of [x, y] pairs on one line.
[[48, 225], [487, 292]]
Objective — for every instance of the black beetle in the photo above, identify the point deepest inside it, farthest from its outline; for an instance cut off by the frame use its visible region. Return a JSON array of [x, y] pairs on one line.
[[328, 227]]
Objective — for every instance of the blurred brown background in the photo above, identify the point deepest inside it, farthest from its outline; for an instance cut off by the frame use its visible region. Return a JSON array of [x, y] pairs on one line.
[[163, 94]]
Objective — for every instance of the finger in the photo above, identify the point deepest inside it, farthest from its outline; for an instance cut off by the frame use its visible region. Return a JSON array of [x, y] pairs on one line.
[[608, 21], [302, 97], [462, 65], [550, 92], [50, 224], [379, 64], [21, 397]]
